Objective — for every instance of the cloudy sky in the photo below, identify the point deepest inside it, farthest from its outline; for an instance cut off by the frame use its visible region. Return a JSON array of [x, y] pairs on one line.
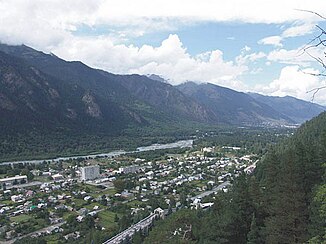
[[247, 45]]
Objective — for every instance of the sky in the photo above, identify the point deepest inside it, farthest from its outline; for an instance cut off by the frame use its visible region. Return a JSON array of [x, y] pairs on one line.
[[247, 45]]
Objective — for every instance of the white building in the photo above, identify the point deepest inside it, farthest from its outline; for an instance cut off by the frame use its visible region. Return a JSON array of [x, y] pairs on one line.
[[57, 177], [90, 172], [130, 169], [18, 179], [17, 198]]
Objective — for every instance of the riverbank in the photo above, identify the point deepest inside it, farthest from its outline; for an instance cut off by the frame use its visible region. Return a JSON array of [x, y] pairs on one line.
[[153, 147]]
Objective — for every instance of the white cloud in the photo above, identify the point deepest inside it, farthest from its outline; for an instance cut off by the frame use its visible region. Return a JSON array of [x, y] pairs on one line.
[[252, 11], [45, 23], [170, 60], [249, 58], [41, 24], [271, 40], [298, 30], [245, 49], [296, 56], [295, 82]]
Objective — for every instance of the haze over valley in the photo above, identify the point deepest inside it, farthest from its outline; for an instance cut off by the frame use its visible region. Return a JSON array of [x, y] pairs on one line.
[[162, 122]]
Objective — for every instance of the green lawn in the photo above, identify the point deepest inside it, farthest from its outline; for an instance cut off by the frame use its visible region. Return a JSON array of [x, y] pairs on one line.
[[110, 191], [91, 188], [21, 218], [92, 205], [107, 219], [6, 202], [135, 203], [67, 214], [198, 183], [41, 223], [41, 178], [79, 202], [53, 239]]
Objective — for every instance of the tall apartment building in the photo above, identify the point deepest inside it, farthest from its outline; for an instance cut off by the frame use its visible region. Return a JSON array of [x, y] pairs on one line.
[[90, 172]]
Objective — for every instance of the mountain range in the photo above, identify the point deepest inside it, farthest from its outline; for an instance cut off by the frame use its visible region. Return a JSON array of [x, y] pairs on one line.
[[296, 109], [232, 107], [41, 92]]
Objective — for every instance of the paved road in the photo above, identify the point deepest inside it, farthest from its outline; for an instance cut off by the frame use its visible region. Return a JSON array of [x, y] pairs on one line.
[[215, 189]]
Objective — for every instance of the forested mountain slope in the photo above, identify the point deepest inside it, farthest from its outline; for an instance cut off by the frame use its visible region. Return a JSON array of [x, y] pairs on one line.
[[293, 178]]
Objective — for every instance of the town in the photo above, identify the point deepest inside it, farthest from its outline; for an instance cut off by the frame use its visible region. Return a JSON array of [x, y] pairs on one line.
[[117, 196]]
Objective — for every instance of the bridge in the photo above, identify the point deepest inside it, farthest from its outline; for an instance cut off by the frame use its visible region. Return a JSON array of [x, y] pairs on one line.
[[141, 225]]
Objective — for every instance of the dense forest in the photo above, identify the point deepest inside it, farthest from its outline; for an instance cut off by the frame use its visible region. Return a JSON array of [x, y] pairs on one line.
[[284, 201], [53, 144]]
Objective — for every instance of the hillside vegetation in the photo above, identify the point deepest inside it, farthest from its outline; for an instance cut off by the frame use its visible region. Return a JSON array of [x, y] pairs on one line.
[[283, 202]]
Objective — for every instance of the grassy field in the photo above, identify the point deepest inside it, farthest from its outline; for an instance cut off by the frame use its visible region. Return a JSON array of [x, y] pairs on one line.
[[21, 218], [6, 202], [198, 183], [98, 192], [53, 239], [92, 205], [135, 203], [107, 219], [79, 203], [41, 223]]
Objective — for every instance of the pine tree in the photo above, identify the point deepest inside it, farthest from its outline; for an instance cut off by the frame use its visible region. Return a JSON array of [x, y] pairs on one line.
[[288, 218], [137, 238], [253, 235]]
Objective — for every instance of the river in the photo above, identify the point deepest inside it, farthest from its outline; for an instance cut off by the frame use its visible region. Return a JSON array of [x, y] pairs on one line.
[[178, 144]]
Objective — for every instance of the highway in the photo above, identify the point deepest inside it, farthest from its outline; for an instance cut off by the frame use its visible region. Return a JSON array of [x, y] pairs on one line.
[[144, 223]]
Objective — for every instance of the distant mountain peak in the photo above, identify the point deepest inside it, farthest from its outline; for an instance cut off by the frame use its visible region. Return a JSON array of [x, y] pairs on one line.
[[53, 55], [157, 78]]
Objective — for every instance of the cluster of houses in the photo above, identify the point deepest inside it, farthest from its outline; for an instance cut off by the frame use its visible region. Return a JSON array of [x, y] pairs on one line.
[[162, 179]]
